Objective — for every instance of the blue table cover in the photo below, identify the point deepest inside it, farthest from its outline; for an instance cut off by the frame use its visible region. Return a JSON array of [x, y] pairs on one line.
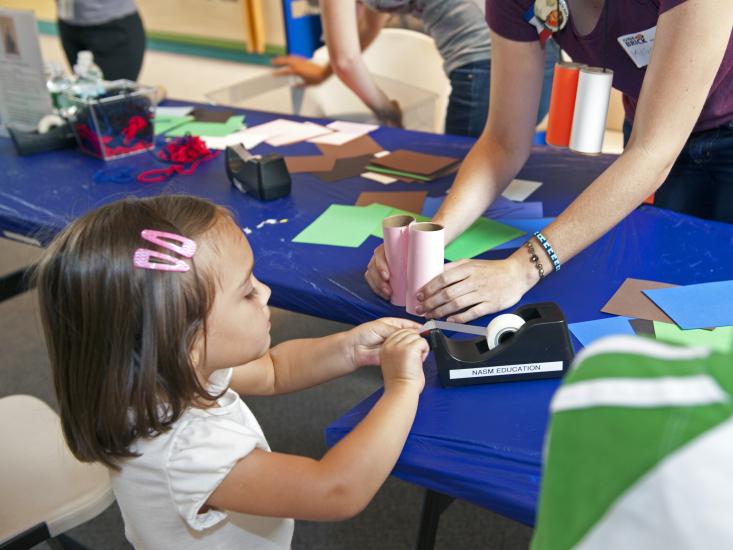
[[480, 443]]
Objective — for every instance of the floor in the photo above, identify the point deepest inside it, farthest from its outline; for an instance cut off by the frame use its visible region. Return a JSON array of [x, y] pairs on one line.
[[292, 423]]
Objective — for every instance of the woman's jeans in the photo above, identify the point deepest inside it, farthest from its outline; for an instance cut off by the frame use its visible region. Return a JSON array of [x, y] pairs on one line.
[[468, 104], [701, 180]]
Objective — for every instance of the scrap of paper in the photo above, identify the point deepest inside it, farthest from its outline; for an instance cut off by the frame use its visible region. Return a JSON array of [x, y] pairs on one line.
[[343, 132], [203, 114], [341, 225], [315, 163], [643, 327], [379, 178], [720, 339], [164, 123], [519, 190], [431, 206], [363, 145], [411, 201], [213, 129], [697, 306], [161, 111], [344, 168], [244, 137], [589, 331], [483, 235], [412, 164], [297, 133], [630, 301], [528, 226]]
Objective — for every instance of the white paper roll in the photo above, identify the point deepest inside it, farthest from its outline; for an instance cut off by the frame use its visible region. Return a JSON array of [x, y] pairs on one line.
[[502, 326], [591, 110]]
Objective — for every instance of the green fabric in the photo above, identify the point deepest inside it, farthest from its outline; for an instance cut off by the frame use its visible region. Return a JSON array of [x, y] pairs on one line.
[[484, 234], [595, 455], [720, 339]]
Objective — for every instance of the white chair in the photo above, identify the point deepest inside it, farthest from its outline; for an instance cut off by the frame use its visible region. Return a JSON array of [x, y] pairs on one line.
[[407, 66], [45, 491]]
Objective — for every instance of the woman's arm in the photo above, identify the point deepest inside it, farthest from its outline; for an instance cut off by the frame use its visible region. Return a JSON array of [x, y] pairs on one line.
[[690, 43]]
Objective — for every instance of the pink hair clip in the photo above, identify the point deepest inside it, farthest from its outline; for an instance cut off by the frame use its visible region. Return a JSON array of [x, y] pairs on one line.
[[143, 256]]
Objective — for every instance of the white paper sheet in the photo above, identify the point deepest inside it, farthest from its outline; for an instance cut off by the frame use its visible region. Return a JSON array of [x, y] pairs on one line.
[[519, 190]]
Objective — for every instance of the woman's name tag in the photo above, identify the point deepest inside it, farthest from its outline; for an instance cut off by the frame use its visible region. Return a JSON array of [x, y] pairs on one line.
[[638, 46]]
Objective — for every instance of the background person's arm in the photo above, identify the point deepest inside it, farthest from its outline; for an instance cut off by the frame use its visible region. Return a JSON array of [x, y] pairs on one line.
[[690, 43]]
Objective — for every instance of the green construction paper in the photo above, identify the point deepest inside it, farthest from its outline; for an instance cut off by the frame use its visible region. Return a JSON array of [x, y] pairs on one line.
[[386, 212], [720, 339], [165, 123], [483, 235], [342, 225], [379, 169], [209, 129]]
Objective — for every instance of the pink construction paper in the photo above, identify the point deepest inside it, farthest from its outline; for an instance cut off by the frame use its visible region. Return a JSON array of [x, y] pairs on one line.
[[396, 239], [424, 258]]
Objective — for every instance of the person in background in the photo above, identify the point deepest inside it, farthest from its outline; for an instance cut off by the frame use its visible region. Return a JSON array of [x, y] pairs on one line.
[[111, 29], [680, 103], [461, 36]]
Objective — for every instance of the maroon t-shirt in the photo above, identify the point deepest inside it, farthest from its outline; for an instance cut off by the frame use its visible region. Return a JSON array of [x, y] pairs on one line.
[[505, 17]]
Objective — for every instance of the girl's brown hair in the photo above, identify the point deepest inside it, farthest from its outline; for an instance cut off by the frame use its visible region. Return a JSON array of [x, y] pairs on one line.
[[120, 338]]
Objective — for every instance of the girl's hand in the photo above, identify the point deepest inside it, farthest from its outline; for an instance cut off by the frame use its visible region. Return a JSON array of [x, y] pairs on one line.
[[402, 357], [311, 73], [377, 273], [476, 288], [365, 341]]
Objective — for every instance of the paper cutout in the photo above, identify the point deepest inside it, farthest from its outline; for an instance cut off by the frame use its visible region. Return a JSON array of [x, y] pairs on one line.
[[720, 339], [519, 190], [344, 132], [414, 163], [379, 178], [163, 123], [202, 114], [411, 201], [214, 129], [344, 168], [341, 225], [643, 327], [169, 112], [528, 226], [298, 132], [431, 206], [590, 331], [363, 145], [697, 306], [483, 235], [315, 163], [630, 301]]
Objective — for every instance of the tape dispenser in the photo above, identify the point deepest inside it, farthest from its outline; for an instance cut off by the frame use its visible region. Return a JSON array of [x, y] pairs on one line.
[[264, 177], [531, 343]]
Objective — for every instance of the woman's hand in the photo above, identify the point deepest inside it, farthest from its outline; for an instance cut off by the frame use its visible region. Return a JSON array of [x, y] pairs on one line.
[[311, 73], [469, 289], [365, 341], [390, 115], [377, 273]]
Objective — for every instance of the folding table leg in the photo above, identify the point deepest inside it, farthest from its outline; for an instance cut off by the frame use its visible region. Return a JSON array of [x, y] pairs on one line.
[[434, 504]]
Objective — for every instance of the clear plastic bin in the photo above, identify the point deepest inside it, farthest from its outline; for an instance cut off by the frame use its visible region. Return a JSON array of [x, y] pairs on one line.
[[116, 125], [282, 94]]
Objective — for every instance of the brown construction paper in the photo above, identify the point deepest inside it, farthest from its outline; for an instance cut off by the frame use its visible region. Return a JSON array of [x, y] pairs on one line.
[[643, 327], [630, 301], [411, 201], [363, 145], [344, 168], [415, 163], [314, 163]]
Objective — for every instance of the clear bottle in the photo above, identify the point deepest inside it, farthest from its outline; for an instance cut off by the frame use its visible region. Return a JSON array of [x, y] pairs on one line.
[[89, 77], [58, 83]]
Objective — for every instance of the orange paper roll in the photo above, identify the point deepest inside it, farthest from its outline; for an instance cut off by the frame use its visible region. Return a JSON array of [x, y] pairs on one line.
[[562, 103]]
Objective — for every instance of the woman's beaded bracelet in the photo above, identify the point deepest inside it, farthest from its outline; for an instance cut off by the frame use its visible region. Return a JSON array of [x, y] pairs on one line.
[[548, 248], [535, 259]]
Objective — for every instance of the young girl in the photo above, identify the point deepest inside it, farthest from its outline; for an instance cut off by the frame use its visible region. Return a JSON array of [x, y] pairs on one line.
[[154, 323]]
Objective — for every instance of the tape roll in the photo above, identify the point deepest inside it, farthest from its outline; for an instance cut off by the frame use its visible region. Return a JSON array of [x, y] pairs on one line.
[[501, 328], [48, 122]]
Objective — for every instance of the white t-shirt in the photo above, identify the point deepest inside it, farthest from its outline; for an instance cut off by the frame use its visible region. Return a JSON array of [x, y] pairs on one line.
[[161, 492]]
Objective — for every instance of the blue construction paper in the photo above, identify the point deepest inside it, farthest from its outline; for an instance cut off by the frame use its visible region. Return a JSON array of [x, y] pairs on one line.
[[528, 226], [431, 205], [590, 331], [704, 305]]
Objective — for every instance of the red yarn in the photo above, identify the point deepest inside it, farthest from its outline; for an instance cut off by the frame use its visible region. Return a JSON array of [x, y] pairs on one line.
[[189, 150]]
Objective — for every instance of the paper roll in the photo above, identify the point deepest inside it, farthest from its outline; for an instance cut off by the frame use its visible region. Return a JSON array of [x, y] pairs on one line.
[[501, 328], [562, 103], [424, 258], [396, 238], [591, 110]]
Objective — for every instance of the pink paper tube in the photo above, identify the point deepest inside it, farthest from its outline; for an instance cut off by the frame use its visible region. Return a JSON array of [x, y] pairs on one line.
[[396, 237], [424, 258]]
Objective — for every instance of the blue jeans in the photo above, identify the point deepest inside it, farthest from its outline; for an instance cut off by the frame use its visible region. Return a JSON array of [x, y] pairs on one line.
[[468, 104], [701, 180]]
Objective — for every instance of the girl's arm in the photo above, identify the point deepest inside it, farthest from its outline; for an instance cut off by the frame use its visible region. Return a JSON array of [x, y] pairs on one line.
[[298, 364], [690, 43], [343, 482]]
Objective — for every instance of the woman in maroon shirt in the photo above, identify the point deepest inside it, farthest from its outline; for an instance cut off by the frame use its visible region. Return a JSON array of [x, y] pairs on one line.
[[681, 107]]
